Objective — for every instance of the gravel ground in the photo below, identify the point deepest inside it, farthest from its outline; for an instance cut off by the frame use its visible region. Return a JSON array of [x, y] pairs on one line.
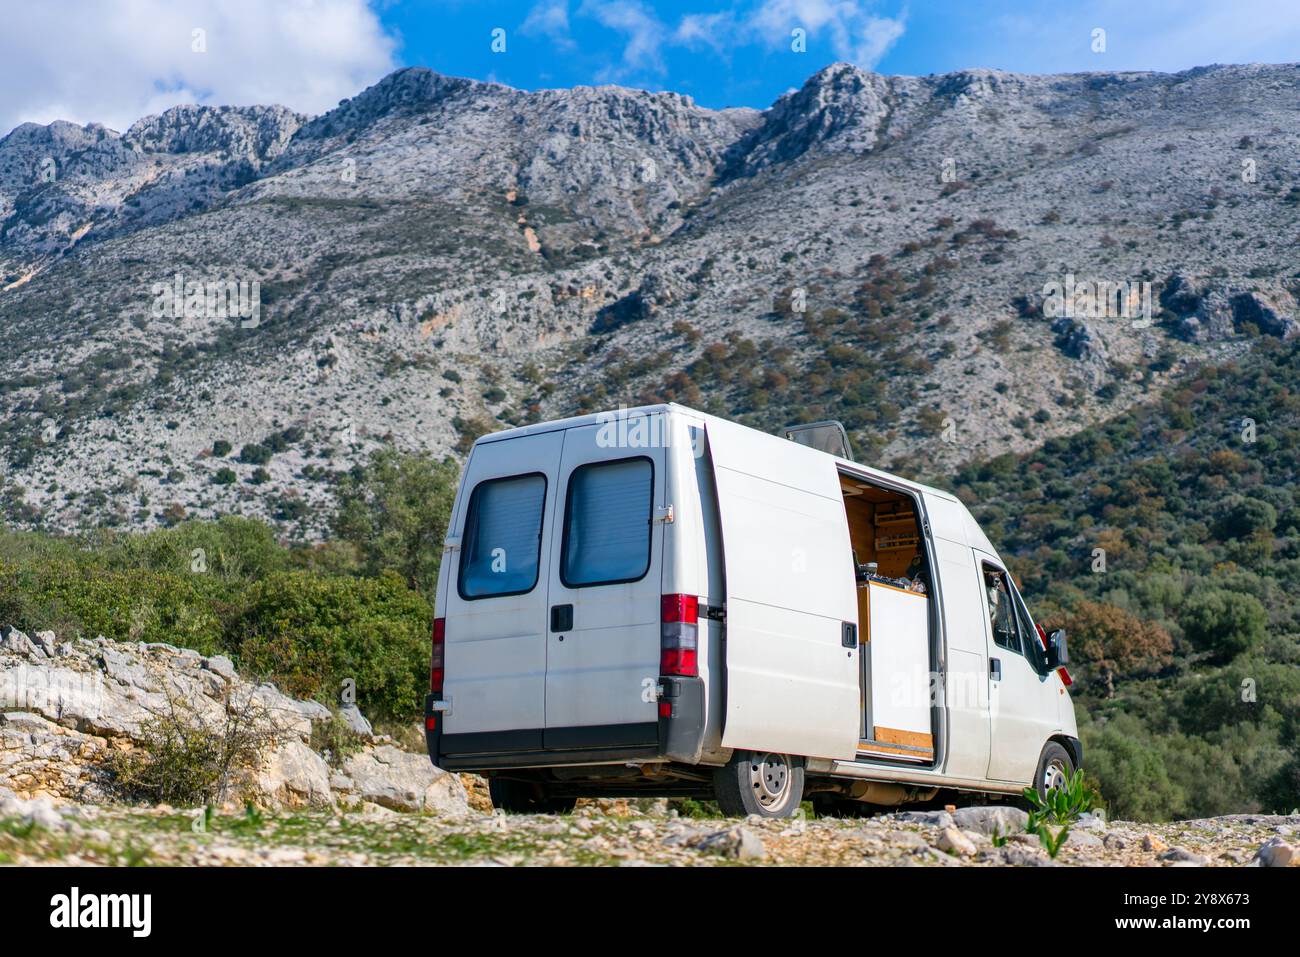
[[619, 833]]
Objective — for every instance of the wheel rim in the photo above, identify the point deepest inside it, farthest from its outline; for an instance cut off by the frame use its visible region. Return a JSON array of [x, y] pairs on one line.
[[1053, 775], [769, 774]]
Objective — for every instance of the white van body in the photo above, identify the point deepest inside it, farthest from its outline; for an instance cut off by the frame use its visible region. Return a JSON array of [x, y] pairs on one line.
[[553, 626]]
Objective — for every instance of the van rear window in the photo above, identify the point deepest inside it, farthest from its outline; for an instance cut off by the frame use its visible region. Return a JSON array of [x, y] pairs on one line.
[[607, 523], [502, 543]]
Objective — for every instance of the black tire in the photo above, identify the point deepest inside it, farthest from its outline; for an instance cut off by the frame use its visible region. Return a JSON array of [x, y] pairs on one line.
[[526, 797], [766, 784], [1054, 766]]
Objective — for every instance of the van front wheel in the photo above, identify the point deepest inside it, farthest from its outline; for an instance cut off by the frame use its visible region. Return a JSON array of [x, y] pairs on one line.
[[759, 782], [1054, 769]]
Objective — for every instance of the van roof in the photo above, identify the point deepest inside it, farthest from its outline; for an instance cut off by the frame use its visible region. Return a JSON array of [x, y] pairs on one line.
[[596, 418]]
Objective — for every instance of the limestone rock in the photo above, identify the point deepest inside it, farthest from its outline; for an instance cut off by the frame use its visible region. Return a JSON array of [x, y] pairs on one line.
[[988, 820], [403, 781]]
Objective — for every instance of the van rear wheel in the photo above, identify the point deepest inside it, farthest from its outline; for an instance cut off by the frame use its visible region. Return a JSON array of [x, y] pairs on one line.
[[526, 797], [759, 782]]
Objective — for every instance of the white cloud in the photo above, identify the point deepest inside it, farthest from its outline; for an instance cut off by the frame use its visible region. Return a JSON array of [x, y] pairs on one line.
[[549, 18], [709, 29], [645, 33], [113, 61], [856, 34]]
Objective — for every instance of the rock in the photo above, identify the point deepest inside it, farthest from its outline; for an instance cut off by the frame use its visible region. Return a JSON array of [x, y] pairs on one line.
[[93, 697], [736, 842], [405, 782], [989, 820], [15, 642], [1152, 843], [1115, 842], [221, 665], [905, 839], [1183, 855], [1020, 855], [294, 775], [931, 818], [355, 720], [954, 841], [1078, 839], [1277, 853], [1092, 821]]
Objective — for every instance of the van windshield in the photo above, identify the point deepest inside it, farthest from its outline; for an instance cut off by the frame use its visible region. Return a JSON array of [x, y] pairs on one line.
[[501, 545]]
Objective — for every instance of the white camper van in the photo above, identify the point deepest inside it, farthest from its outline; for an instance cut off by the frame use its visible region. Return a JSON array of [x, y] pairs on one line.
[[661, 602]]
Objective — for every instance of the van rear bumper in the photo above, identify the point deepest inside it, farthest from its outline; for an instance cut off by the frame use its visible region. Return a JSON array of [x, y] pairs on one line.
[[679, 735]]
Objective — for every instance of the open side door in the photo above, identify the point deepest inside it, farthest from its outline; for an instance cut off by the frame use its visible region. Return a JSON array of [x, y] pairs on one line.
[[791, 633]]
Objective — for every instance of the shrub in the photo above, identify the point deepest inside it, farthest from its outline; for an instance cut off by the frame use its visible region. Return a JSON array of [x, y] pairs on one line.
[[87, 601], [1225, 623], [1110, 642], [221, 448], [254, 454], [309, 634], [395, 511], [183, 759]]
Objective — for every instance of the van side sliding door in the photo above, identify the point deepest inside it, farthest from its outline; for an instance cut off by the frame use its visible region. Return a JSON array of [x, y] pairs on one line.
[[791, 612]]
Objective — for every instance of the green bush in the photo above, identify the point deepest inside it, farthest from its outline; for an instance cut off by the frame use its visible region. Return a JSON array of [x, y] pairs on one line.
[[1225, 623], [395, 511], [309, 634], [83, 601]]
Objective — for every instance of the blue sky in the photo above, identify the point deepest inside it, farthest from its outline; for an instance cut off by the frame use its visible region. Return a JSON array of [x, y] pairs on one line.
[[739, 54], [113, 61]]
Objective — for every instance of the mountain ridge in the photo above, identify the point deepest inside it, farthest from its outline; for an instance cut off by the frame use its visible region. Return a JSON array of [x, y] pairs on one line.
[[438, 256]]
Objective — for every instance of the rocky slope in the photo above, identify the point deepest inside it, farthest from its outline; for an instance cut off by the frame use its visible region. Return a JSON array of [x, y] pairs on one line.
[[437, 256], [69, 712]]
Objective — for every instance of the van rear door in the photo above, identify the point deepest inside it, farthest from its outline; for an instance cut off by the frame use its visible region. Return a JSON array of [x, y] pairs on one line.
[[495, 605], [791, 627], [602, 646]]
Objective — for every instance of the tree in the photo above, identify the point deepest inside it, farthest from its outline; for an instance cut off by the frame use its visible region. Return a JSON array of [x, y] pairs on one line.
[[1112, 642], [1226, 623], [394, 511]]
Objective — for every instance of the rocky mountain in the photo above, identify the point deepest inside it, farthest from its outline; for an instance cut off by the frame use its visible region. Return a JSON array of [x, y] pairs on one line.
[[438, 257]]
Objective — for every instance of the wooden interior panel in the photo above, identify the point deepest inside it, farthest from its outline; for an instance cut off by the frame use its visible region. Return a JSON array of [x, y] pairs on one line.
[[912, 739]]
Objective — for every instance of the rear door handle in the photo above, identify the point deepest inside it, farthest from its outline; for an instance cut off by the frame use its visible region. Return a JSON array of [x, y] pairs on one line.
[[995, 669], [561, 618]]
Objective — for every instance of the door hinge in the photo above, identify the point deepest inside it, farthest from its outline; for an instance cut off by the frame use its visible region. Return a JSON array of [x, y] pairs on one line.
[[444, 706], [451, 544], [664, 514], [713, 612]]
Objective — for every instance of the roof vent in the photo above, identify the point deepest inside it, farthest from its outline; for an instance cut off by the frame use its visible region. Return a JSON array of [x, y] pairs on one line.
[[828, 436]]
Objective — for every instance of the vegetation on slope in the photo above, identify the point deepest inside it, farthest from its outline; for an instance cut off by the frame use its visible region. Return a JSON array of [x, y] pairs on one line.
[[1165, 542]]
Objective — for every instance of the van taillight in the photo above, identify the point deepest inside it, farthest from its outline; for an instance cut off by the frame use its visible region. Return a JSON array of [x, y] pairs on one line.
[[438, 656], [679, 617]]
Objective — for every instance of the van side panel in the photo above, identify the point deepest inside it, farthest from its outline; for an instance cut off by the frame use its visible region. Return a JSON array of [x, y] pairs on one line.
[[792, 668], [966, 691]]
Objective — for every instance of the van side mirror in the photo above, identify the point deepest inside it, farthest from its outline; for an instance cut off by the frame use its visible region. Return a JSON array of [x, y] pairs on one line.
[[1058, 652]]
